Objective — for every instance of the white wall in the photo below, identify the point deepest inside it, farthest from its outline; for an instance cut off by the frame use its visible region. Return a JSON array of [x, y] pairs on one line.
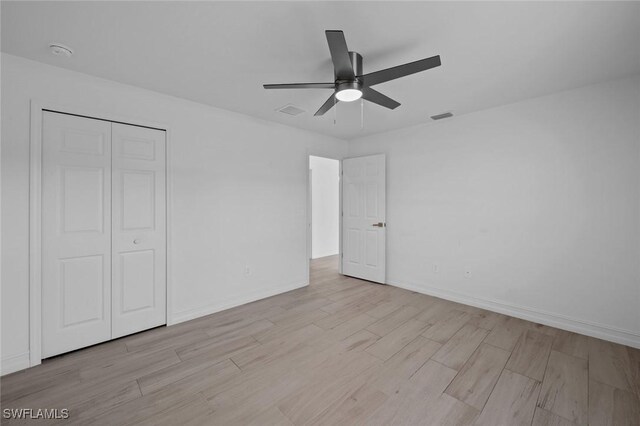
[[538, 200], [239, 194], [325, 202]]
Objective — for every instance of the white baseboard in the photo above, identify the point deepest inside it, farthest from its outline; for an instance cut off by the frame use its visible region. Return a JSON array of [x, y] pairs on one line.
[[218, 306], [600, 331], [15, 363]]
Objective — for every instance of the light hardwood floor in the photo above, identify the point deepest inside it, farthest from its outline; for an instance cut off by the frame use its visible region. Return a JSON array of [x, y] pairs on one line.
[[341, 351]]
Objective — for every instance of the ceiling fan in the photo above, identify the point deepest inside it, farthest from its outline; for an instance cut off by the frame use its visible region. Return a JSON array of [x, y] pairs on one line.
[[350, 83]]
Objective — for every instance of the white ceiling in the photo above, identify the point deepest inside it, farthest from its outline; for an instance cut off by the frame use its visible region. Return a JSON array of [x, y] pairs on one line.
[[220, 53]]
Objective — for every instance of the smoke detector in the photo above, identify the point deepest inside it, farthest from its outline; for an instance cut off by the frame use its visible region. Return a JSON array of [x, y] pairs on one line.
[[61, 50]]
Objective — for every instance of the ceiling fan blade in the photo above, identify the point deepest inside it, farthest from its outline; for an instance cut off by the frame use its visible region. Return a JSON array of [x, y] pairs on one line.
[[400, 71], [378, 98], [340, 55], [327, 105], [300, 86]]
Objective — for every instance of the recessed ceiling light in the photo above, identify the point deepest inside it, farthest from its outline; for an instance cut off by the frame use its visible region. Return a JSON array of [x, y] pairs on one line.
[[61, 50], [441, 116]]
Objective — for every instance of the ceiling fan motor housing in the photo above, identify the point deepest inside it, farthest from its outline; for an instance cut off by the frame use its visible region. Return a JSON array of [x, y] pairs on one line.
[[355, 85], [356, 62]]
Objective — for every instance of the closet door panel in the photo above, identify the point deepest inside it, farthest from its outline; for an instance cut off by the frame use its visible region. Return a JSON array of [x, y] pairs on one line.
[[139, 229], [76, 232]]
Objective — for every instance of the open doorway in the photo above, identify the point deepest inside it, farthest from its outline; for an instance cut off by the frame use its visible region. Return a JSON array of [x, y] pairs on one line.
[[324, 213]]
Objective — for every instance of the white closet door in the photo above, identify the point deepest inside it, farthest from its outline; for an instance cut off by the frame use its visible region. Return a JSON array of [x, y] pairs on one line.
[[76, 232], [363, 219], [139, 229]]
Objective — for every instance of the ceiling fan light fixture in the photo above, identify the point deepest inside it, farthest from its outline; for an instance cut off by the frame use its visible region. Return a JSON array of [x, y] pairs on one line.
[[349, 95], [349, 91]]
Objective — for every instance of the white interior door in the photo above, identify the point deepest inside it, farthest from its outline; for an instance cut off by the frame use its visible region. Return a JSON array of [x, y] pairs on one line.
[[139, 229], [363, 218], [76, 232], [103, 231]]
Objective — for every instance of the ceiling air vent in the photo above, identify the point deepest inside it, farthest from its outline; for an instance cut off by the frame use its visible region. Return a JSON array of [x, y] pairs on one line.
[[290, 110], [441, 116]]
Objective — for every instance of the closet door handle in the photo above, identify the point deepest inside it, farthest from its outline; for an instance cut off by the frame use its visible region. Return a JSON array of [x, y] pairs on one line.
[[136, 241]]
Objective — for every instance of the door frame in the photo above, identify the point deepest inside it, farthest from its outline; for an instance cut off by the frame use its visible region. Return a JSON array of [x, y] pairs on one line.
[[309, 215], [35, 210]]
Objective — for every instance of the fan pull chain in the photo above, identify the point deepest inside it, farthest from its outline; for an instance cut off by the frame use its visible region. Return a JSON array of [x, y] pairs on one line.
[[361, 113], [335, 110]]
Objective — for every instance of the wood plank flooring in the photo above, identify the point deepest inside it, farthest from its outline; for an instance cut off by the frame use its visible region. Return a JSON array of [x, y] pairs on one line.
[[340, 351]]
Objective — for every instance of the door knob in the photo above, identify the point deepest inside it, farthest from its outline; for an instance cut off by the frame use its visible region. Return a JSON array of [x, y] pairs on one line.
[[136, 241], [380, 224]]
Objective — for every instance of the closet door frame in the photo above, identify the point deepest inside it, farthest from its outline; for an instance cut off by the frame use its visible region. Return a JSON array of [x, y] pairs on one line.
[[35, 210]]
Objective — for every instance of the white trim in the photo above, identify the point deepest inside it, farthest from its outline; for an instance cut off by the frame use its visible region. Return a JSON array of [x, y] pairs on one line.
[[340, 216], [35, 240], [15, 363], [600, 331], [310, 213], [212, 308], [168, 203], [35, 213], [309, 224]]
